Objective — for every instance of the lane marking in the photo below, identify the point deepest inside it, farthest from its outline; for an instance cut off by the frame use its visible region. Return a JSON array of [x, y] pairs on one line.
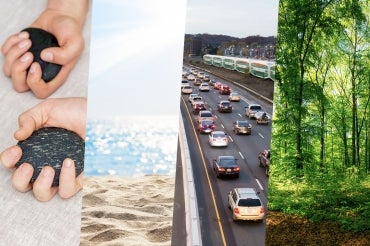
[[241, 155], [259, 184], [208, 178], [261, 135]]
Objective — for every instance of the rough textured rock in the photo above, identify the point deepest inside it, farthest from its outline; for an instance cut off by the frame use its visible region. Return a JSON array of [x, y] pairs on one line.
[[49, 146]]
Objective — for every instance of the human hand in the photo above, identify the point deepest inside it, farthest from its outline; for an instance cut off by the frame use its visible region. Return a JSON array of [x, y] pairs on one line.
[[68, 113], [65, 20]]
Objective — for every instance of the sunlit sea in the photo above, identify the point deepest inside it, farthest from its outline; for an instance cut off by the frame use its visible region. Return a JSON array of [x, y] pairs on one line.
[[131, 146]]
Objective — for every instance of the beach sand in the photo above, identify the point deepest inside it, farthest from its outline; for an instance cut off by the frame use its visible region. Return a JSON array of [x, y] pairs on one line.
[[127, 210]]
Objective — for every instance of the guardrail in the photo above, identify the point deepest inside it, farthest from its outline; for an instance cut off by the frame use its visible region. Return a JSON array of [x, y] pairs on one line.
[[193, 237]]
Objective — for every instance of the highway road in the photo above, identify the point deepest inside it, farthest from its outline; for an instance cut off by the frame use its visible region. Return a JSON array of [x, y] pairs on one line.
[[217, 226]]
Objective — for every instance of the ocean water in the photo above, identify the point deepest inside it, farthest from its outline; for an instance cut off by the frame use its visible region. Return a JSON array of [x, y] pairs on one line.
[[131, 146]]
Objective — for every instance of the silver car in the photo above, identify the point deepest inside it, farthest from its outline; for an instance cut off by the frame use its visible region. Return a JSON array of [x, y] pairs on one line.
[[218, 139], [245, 204]]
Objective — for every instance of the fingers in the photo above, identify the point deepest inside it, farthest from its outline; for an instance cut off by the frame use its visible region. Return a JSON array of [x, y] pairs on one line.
[[42, 189], [39, 87], [13, 49], [22, 176], [69, 185], [11, 156]]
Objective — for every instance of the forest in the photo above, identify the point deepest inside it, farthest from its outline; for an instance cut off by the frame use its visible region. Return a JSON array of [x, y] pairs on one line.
[[320, 164]]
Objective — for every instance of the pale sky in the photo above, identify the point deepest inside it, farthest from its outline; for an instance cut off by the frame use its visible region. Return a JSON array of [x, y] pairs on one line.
[[236, 18], [137, 46]]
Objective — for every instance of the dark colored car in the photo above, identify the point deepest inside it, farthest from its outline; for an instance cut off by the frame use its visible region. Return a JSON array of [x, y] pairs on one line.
[[206, 126], [225, 90], [226, 165], [242, 127], [224, 106]]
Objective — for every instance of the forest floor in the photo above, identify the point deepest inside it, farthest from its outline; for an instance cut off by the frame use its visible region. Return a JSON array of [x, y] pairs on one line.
[[281, 228]]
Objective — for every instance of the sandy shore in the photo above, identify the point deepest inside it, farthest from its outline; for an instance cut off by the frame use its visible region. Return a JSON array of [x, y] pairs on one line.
[[127, 210]]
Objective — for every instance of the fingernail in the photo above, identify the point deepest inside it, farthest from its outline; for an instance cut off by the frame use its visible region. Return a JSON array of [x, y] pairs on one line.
[[25, 58], [23, 35], [33, 68], [46, 172], [48, 56], [23, 43], [24, 170], [67, 163]]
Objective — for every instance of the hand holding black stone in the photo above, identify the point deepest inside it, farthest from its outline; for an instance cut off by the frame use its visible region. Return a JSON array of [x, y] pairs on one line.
[[42, 39], [50, 146]]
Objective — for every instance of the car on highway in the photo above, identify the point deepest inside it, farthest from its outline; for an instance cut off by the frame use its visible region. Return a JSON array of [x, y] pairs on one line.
[[264, 160], [262, 118], [200, 75], [184, 82], [204, 87], [197, 81], [206, 126], [193, 71], [226, 165], [218, 139], [187, 89], [205, 115], [251, 110], [225, 90], [196, 99], [191, 77], [206, 78], [234, 97], [212, 82], [224, 106], [198, 106], [242, 127], [190, 97], [217, 85], [245, 204]]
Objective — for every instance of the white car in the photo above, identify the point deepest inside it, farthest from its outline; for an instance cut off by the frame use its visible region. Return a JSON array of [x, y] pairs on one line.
[[187, 89], [218, 139], [245, 204], [191, 77], [234, 97], [191, 96], [204, 87], [251, 110]]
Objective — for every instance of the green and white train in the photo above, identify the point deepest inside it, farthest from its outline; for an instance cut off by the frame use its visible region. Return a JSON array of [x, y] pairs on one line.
[[259, 68]]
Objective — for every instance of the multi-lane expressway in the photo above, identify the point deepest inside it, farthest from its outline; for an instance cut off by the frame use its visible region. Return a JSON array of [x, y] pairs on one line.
[[215, 218]]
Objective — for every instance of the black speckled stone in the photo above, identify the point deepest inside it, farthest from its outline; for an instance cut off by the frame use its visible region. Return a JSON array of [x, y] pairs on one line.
[[49, 146], [42, 39]]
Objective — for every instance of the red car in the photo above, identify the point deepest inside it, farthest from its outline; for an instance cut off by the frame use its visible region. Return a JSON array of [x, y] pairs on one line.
[[206, 126], [198, 106], [225, 90], [217, 85]]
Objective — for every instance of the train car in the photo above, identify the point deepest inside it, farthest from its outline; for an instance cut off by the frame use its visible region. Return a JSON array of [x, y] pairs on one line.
[[217, 61], [228, 63], [242, 65], [207, 59], [259, 68]]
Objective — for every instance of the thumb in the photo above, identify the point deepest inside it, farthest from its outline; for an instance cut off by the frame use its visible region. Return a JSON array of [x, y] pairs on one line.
[[27, 125], [64, 54]]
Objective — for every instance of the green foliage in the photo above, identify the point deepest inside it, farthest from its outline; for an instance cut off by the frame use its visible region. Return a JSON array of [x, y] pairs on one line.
[[323, 199]]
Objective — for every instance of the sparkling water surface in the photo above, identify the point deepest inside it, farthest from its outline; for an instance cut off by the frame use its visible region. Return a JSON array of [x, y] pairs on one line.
[[131, 146]]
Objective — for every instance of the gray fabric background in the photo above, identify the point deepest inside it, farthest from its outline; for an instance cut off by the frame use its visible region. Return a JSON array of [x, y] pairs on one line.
[[24, 220]]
